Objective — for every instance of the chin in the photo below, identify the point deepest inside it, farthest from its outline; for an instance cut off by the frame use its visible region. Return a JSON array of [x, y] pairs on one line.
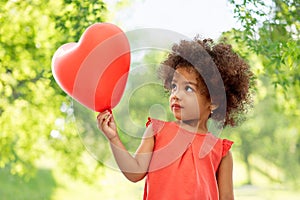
[[181, 117], [178, 117]]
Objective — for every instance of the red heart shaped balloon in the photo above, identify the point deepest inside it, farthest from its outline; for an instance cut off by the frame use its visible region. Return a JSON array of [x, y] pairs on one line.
[[94, 71]]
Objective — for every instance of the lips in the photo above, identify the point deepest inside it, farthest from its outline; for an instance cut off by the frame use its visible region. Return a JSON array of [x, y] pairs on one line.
[[176, 106]]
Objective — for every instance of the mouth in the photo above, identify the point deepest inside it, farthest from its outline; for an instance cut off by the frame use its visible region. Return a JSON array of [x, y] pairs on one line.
[[176, 106]]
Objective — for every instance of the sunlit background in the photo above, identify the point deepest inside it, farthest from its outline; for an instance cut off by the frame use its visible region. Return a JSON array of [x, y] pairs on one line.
[[191, 17], [50, 147]]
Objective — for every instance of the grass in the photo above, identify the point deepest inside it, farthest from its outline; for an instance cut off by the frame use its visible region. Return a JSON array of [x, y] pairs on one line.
[[52, 185], [15, 188], [250, 192], [111, 186]]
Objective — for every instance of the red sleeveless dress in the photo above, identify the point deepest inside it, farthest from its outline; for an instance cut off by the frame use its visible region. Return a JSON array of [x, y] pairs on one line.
[[183, 164]]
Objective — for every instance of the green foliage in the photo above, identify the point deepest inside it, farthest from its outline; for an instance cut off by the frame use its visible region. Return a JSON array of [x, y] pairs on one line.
[[39, 187], [270, 31], [269, 136], [31, 102], [76, 16]]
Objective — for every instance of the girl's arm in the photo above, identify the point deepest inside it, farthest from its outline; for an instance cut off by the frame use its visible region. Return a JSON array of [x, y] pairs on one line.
[[224, 178], [133, 167]]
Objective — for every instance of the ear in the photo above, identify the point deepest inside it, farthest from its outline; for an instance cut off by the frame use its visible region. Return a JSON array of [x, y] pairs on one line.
[[213, 106]]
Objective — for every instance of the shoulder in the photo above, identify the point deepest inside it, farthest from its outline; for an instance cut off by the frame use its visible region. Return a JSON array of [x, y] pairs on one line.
[[220, 148], [226, 146]]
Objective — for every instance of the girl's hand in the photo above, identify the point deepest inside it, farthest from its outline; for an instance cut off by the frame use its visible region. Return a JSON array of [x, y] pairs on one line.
[[107, 124]]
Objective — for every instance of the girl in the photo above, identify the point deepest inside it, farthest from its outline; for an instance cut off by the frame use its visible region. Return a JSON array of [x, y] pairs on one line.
[[181, 159]]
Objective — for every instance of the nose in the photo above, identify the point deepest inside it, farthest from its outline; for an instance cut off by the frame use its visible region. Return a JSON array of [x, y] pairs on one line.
[[176, 95], [174, 98]]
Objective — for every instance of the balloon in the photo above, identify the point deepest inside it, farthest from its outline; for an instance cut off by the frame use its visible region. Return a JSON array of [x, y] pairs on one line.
[[94, 71]]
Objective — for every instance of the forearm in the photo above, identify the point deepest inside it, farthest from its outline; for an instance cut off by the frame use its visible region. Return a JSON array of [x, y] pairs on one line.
[[133, 167]]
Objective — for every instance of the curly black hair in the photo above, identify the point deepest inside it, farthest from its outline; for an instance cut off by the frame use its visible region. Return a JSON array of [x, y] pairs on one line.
[[227, 76]]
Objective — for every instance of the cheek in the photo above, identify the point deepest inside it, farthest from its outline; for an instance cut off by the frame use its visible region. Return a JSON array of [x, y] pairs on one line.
[[170, 98], [204, 105], [194, 105], [193, 99], [201, 103]]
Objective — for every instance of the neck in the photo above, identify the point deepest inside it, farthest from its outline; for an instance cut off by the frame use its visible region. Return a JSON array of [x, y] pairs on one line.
[[199, 126]]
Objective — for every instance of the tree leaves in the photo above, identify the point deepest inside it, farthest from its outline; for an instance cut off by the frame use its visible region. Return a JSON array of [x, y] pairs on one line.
[[271, 31], [30, 103]]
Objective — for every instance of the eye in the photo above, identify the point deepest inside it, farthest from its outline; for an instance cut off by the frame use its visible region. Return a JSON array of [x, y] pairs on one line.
[[173, 86], [189, 89]]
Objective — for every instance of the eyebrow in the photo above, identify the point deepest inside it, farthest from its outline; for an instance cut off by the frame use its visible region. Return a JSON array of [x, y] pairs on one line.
[[191, 83], [186, 82]]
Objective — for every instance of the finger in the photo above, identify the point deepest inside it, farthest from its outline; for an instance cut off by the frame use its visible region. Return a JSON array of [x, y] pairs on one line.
[[104, 119], [108, 115], [102, 122], [101, 119], [102, 113], [110, 118], [100, 116], [105, 126]]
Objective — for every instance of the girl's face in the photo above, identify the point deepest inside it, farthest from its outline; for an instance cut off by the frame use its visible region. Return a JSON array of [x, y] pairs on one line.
[[186, 101]]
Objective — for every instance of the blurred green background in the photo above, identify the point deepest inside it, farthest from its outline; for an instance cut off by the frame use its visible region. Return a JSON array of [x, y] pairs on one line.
[[50, 147]]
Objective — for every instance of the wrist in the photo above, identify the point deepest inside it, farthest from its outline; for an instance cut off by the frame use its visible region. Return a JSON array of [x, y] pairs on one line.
[[113, 138]]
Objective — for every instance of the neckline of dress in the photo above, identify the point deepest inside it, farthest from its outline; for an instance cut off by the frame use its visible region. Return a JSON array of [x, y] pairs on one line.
[[190, 132]]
